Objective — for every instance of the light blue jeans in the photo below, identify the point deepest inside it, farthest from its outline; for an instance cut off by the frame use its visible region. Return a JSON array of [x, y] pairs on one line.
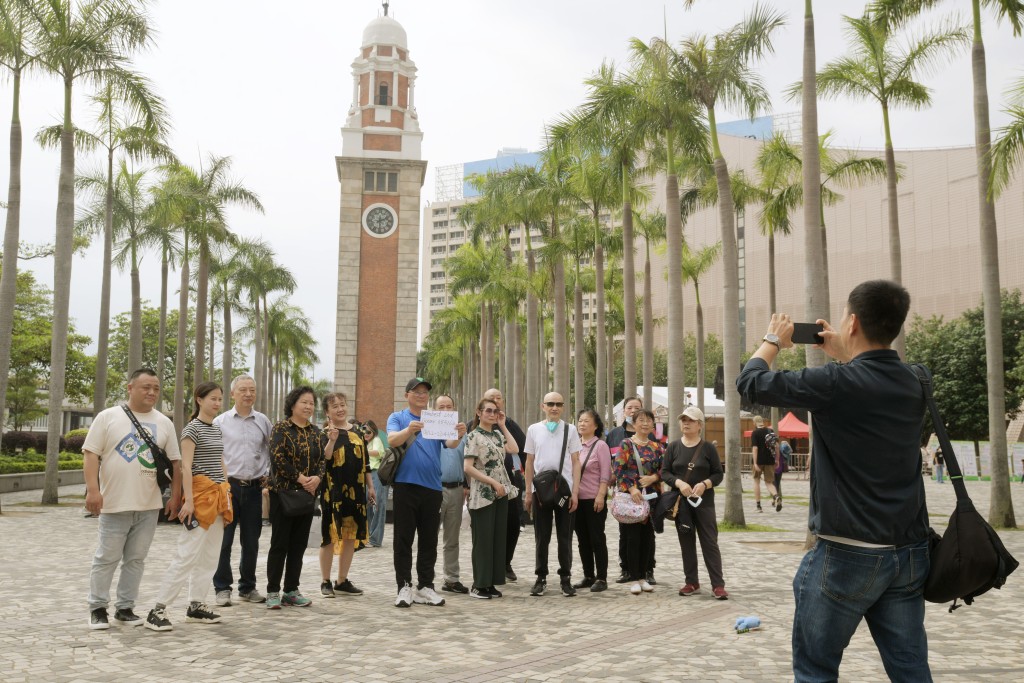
[[837, 585], [940, 470], [378, 513], [124, 537]]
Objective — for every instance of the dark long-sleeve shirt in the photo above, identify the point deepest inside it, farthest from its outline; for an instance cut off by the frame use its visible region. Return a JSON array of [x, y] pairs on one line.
[[707, 465], [866, 482], [293, 451]]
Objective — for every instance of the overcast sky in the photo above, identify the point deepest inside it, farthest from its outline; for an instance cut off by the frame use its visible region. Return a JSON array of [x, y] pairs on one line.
[[269, 83]]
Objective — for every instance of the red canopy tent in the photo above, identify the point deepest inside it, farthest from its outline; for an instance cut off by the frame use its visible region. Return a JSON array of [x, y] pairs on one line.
[[790, 427]]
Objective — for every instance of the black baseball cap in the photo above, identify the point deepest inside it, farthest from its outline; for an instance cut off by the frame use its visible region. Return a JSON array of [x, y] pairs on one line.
[[415, 382]]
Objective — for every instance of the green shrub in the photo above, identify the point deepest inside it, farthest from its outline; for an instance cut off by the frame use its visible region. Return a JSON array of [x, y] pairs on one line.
[[77, 432], [21, 464]]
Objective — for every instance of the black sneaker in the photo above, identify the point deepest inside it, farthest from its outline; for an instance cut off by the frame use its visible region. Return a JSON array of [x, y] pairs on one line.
[[759, 506], [599, 586], [587, 582], [510, 575], [199, 613], [158, 621], [495, 593], [454, 587], [346, 588], [539, 587], [327, 589], [650, 578], [567, 589], [623, 577], [480, 593], [98, 619], [126, 617]]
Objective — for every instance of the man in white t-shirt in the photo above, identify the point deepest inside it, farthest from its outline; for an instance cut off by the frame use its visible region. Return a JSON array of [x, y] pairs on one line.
[[544, 452], [120, 486]]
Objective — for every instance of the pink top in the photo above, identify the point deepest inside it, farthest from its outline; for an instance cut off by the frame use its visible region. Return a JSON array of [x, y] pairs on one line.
[[599, 467]]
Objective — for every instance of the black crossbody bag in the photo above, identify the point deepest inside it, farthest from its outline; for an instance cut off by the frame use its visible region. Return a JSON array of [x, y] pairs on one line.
[[552, 490], [164, 468], [969, 559]]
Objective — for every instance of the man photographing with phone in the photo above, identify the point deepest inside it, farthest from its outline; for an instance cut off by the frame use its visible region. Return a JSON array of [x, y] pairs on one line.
[[867, 502]]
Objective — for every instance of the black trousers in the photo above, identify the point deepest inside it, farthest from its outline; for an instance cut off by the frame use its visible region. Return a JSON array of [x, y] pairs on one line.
[[288, 539], [590, 539], [417, 513], [704, 526], [515, 512], [639, 541], [623, 565], [543, 520]]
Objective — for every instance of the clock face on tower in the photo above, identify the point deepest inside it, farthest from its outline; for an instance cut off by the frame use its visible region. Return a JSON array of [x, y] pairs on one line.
[[380, 220]]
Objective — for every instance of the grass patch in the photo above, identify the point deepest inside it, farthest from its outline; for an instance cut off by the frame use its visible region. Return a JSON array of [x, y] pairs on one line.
[[728, 526]]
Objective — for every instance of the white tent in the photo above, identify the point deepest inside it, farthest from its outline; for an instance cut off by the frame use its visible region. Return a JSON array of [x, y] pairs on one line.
[[712, 405]]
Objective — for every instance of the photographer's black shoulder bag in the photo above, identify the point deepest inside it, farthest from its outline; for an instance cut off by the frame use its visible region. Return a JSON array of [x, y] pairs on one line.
[[160, 459], [970, 558], [551, 488]]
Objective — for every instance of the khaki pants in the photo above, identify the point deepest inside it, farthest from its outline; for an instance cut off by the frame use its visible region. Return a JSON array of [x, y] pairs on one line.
[[451, 520]]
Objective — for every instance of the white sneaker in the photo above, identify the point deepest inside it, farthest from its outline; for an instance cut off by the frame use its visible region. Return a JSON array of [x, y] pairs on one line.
[[635, 589], [404, 598], [223, 599], [427, 596], [646, 587]]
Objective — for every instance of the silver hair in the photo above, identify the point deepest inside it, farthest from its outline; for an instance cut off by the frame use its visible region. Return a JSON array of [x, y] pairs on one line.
[[235, 381]]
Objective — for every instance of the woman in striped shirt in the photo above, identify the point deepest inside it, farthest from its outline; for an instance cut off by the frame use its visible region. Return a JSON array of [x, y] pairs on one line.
[[206, 505]]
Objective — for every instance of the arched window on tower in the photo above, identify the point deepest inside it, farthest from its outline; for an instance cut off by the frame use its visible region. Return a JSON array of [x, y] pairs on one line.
[[382, 94]]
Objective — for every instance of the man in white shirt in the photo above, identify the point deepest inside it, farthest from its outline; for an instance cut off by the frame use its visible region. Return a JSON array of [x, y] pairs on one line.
[[120, 487], [544, 452], [247, 459]]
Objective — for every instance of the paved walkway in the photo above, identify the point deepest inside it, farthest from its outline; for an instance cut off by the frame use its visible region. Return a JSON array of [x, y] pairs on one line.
[[611, 636]]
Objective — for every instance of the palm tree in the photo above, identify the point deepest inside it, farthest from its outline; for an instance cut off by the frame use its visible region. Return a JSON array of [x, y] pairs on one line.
[[652, 229], [714, 71], [670, 122], [80, 41], [16, 57], [695, 265], [878, 70], [1001, 505], [1008, 150], [479, 268]]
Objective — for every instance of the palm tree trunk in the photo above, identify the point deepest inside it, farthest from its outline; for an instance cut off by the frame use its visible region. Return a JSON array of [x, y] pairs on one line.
[[731, 331], [201, 306], [600, 350], [579, 378], [816, 294], [62, 261], [9, 276], [257, 361], [520, 376], [162, 335], [264, 385], [533, 387], [674, 240], [135, 326], [628, 296], [610, 396], [179, 364], [895, 248], [772, 306], [510, 392], [213, 336], [1000, 511], [824, 252], [484, 344], [99, 396], [560, 327], [225, 363], [648, 339], [701, 378]]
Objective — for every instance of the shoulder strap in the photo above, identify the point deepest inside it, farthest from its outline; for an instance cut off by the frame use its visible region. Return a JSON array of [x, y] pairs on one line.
[[589, 453], [143, 433], [955, 474], [696, 452], [636, 457], [565, 442]]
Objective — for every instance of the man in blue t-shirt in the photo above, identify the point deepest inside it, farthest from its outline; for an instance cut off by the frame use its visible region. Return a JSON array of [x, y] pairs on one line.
[[417, 497]]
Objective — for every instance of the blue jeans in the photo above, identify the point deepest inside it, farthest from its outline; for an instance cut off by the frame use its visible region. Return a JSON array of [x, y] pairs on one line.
[[124, 538], [837, 585], [939, 471], [247, 503], [377, 517]]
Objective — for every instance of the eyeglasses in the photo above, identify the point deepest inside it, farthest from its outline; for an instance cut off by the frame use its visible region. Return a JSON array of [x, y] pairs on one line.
[[552, 404], [490, 411], [420, 393]]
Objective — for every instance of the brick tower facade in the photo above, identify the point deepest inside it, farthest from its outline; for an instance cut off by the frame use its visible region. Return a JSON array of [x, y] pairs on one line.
[[381, 174]]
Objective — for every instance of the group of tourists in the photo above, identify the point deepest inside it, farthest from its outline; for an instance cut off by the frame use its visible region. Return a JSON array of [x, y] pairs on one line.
[[867, 507]]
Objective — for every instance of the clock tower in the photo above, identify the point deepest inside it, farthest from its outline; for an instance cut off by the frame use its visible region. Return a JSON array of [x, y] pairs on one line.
[[381, 174]]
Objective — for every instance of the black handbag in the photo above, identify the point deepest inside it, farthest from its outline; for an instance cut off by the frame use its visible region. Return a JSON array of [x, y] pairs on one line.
[[296, 503], [550, 487], [164, 468], [970, 558], [391, 461]]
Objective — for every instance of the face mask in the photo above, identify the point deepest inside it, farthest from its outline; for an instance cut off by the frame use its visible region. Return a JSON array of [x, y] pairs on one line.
[[629, 420], [552, 426]]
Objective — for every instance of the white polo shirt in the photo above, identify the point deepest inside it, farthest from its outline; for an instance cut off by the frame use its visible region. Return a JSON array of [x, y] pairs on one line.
[[546, 447]]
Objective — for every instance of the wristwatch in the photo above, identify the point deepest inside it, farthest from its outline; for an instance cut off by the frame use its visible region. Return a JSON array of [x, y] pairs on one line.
[[772, 339]]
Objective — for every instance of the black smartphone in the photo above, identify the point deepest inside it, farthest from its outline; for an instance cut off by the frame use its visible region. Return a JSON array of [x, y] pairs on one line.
[[191, 523], [807, 333]]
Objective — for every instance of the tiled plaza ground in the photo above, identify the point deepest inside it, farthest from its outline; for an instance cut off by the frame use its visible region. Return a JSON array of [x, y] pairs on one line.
[[611, 636]]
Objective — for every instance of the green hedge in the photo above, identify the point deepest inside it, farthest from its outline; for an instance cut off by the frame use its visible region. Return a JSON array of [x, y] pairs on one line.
[[36, 462]]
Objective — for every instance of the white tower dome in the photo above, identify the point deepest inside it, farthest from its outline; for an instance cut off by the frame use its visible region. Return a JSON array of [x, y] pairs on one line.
[[385, 31]]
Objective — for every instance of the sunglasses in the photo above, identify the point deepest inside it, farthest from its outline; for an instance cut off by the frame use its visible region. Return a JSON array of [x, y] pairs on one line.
[[552, 404], [490, 411]]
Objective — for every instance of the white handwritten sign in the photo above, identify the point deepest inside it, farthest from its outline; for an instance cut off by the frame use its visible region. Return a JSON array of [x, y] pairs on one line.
[[439, 424]]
